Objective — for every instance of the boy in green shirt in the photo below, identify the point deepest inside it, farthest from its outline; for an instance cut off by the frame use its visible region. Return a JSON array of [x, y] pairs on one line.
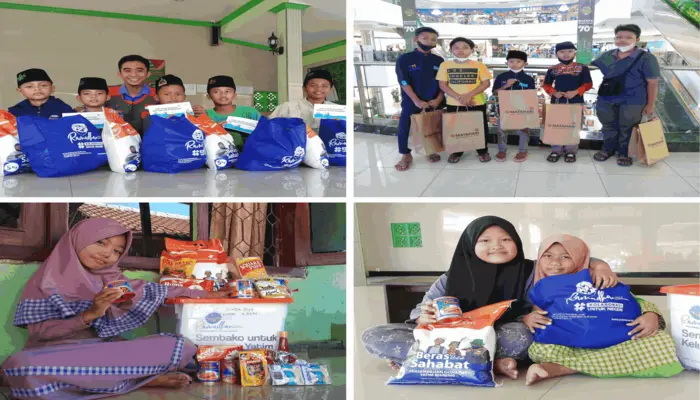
[[221, 90]]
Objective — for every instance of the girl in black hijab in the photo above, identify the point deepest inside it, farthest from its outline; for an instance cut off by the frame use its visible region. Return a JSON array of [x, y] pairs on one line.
[[488, 266]]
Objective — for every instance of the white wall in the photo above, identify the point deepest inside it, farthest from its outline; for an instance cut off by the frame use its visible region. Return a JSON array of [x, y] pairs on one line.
[[630, 237], [71, 47]]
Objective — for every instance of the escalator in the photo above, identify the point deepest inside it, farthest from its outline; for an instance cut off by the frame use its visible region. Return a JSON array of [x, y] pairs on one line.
[[675, 29]]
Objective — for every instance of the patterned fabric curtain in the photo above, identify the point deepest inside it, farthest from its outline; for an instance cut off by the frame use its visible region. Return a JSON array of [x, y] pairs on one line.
[[241, 228]]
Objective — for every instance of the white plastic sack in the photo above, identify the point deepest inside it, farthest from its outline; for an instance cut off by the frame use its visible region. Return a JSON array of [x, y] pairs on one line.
[[316, 155], [684, 303], [12, 160]]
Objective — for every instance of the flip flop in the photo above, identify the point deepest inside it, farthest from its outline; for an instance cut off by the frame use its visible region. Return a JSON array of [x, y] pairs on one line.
[[601, 156], [520, 157], [501, 156], [553, 157], [454, 158], [624, 161], [433, 158], [570, 158], [484, 157], [403, 165]]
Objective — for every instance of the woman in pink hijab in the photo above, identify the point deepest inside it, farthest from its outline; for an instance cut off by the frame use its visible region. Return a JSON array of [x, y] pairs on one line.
[[650, 352], [74, 349]]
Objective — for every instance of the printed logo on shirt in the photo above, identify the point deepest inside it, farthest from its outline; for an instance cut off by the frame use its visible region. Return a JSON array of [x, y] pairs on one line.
[[571, 69], [462, 76], [413, 67]]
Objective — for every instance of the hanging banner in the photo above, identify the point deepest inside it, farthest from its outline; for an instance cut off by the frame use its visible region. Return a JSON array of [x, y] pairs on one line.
[[410, 22], [584, 36]]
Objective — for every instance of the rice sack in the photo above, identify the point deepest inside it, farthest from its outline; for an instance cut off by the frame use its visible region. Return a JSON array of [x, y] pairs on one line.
[[221, 150], [12, 159], [122, 143], [61, 147], [684, 303], [316, 155], [276, 144], [583, 316], [333, 132], [454, 353]]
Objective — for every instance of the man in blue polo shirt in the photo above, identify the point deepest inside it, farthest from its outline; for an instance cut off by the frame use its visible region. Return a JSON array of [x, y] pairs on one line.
[[416, 73], [621, 107]]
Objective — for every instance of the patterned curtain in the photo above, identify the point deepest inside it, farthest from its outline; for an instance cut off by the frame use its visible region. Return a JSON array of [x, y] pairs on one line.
[[241, 228]]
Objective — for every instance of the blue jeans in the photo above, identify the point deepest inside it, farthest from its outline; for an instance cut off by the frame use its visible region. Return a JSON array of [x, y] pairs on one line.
[[393, 341], [618, 119]]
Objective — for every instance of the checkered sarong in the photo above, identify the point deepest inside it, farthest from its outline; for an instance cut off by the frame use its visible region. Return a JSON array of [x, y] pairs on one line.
[[626, 358]]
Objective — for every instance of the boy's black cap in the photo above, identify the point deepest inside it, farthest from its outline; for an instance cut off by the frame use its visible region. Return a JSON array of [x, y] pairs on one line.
[[220, 81], [319, 74], [426, 29], [521, 55], [168, 80], [92, 84], [564, 46], [32, 75]]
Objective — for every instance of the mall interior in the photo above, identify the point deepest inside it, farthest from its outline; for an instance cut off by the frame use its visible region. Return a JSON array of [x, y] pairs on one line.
[[669, 32]]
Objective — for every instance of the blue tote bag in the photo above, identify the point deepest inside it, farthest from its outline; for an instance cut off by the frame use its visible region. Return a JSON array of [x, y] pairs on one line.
[[172, 145], [333, 133], [61, 147], [274, 145], [583, 316]]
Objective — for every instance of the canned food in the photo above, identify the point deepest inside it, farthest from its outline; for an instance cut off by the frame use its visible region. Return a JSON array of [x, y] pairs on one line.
[[127, 291], [447, 309], [228, 372], [246, 289], [209, 372]]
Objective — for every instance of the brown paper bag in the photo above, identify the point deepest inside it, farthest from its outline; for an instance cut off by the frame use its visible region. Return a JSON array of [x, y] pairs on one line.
[[426, 132], [563, 124], [648, 143], [518, 109], [463, 131]]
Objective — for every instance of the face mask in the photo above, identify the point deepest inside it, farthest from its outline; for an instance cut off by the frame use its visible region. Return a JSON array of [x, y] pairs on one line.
[[566, 62], [425, 47], [461, 59], [516, 70], [625, 49]]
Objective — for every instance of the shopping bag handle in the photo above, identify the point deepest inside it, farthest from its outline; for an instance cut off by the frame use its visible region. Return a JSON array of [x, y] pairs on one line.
[[423, 110], [646, 118], [558, 101]]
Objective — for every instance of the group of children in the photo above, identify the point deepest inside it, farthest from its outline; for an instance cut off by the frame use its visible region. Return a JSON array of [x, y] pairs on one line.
[[427, 79], [132, 98]]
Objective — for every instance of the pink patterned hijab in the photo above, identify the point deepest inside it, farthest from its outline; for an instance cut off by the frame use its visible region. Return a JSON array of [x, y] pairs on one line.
[[577, 249], [63, 274]]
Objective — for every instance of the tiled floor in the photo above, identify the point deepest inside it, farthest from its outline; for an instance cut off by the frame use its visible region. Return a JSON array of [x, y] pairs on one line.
[[301, 182], [375, 176], [371, 375]]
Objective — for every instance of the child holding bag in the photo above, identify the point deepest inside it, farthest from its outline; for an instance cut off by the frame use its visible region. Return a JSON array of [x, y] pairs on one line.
[[569, 80], [464, 82], [514, 79], [650, 352]]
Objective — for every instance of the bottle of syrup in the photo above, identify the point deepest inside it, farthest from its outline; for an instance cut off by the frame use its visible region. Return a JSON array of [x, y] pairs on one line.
[[284, 343]]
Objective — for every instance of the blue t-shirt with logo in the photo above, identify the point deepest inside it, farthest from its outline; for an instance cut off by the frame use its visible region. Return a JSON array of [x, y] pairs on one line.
[[418, 70]]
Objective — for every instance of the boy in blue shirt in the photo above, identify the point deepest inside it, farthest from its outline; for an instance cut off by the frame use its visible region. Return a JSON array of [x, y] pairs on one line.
[[566, 82], [513, 79], [37, 87], [416, 72]]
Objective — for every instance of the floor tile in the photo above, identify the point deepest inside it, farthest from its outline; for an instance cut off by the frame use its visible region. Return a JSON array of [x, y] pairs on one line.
[[471, 161], [694, 181], [551, 184], [685, 386], [30, 185], [388, 182], [685, 164], [473, 183], [419, 161], [368, 153], [537, 162], [648, 186], [610, 167]]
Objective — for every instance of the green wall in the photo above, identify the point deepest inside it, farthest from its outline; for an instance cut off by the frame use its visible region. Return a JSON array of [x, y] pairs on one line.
[[318, 312]]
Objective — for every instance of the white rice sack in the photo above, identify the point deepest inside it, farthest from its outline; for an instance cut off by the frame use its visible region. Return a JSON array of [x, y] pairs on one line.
[[122, 143], [316, 155], [684, 303], [12, 159]]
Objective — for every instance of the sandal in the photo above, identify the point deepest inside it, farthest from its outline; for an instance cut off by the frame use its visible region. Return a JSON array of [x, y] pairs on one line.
[[624, 161], [454, 158], [553, 157], [520, 157], [601, 156], [403, 165], [501, 156], [484, 157], [570, 158], [433, 158]]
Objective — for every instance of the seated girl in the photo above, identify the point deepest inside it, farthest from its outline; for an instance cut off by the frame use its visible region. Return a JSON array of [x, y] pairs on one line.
[[488, 266], [651, 351], [74, 349]]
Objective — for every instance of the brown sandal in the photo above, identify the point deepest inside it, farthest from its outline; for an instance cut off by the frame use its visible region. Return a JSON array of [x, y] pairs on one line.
[[484, 157]]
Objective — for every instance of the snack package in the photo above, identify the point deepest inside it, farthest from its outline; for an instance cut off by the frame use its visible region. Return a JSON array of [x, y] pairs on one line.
[[217, 353], [244, 289], [271, 289], [286, 375], [316, 374], [316, 155], [454, 353], [285, 358], [211, 257], [194, 284], [180, 265], [253, 366], [251, 268], [12, 160], [221, 150]]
